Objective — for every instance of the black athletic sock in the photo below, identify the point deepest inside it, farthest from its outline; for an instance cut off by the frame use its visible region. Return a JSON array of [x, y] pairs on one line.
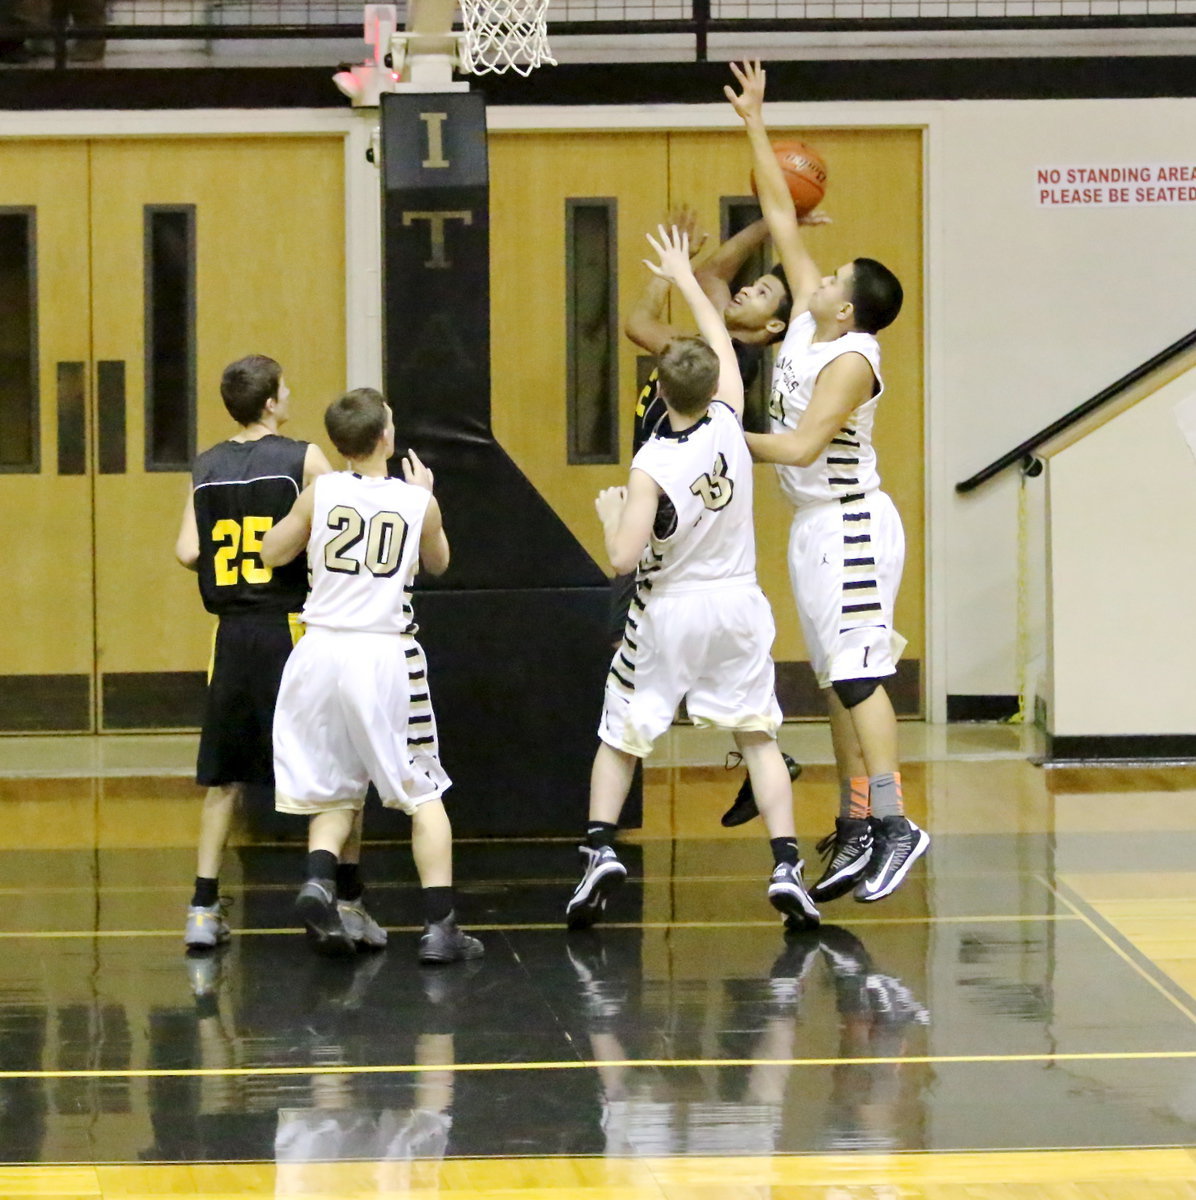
[[348, 882], [784, 850], [321, 864], [600, 833], [207, 892], [438, 903]]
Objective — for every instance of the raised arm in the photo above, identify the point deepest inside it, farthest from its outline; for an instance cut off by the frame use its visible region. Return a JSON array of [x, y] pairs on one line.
[[844, 384], [646, 325], [673, 251], [775, 201], [716, 271], [287, 539]]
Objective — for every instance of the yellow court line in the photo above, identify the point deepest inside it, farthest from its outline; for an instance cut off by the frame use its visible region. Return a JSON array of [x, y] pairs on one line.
[[935, 1060], [1117, 949], [550, 926], [375, 885]]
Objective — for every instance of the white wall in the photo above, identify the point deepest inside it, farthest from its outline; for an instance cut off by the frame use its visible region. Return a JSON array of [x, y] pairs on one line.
[[1032, 311], [1123, 571]]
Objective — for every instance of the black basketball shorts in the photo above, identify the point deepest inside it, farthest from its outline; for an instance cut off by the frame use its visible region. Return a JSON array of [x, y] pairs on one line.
[[237, 741]]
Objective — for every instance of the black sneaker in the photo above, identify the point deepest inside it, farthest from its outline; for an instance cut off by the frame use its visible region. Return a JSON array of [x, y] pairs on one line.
[[316, 906], [443, 942], [787, 894], [898, 843], [743, 808], [602, 875], [850, 965], [846, 852]]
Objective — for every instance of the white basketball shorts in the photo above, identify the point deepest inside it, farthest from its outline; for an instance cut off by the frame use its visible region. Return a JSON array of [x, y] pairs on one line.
[[355, 707], [845, 563], [712, 646]]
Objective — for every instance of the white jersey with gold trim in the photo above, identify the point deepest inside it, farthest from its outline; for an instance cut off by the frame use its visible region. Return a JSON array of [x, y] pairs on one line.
[[364, 552], [846, 469], [705, 533]]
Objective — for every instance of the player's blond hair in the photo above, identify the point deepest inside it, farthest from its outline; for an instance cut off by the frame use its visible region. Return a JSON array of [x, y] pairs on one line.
[[688, 370]]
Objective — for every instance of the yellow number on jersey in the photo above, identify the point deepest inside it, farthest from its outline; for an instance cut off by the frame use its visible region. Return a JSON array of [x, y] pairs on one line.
[[232, 536]]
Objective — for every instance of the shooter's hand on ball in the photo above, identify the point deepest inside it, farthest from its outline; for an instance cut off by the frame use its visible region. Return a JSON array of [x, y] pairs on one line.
[[750, 103], [415, 472], [673, 252]]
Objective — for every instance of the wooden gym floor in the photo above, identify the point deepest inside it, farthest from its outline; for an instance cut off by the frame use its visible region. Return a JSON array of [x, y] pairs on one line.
[[1017, 1021]]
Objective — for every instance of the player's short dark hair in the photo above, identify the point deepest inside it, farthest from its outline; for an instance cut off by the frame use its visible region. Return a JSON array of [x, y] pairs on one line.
[[784, 312], [356, 421], [688, 374], [876, 295], [247, 384]]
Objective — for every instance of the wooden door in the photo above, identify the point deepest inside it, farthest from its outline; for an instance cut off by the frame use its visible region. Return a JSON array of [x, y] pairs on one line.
[[534, 179], [156, 262], [204, 250], [47, 634]]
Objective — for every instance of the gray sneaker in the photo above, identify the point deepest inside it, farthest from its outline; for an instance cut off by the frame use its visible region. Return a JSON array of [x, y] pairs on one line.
[[317, 908], [207, 927], [443, 942], [363, 930]]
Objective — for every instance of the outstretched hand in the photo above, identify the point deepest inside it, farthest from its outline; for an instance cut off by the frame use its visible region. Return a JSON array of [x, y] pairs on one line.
[[415, 472], [686, 220], [749, 102], [817, 217], [673, 251]]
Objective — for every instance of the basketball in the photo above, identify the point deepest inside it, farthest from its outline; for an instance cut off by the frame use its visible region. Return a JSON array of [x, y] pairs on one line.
[[805, 174]]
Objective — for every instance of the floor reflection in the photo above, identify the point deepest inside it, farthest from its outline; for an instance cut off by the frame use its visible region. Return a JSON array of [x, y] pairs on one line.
[[990, 1004], [740, 1107]]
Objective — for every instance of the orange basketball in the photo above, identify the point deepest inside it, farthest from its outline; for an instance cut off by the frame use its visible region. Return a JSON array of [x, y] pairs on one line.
[[805, 174]]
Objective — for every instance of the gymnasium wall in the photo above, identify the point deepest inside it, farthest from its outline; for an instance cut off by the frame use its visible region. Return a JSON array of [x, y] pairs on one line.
[[1032, 310], [1029, 310], [1122, 566]]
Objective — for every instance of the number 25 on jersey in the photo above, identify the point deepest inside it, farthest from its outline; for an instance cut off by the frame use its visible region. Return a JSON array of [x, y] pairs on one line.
[[244, 538]]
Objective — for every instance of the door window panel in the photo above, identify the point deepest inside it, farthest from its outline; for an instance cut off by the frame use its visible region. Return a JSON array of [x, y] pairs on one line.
[[19, 426]]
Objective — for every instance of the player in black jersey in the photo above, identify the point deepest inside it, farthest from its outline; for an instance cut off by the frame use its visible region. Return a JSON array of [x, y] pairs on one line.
[[239, 489], [756, 316]]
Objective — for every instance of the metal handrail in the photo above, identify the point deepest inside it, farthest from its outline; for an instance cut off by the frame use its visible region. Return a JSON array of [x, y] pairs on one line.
[[1019, 454]]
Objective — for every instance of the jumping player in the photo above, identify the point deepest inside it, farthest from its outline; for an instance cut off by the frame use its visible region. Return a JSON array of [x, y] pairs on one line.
[[239, 488], [846, 545], [354, 705], [755, 316], [699, 626]]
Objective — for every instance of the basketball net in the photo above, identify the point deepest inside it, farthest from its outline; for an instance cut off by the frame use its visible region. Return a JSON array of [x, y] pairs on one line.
[[504, 35]]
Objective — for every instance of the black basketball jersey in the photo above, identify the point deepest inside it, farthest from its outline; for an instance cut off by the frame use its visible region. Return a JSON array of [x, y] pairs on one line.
[[650, 412], [241, 489]]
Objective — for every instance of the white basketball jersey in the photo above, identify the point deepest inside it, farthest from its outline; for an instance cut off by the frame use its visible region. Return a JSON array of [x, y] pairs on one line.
[[705, 471], [364, 552], [847, 468]]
